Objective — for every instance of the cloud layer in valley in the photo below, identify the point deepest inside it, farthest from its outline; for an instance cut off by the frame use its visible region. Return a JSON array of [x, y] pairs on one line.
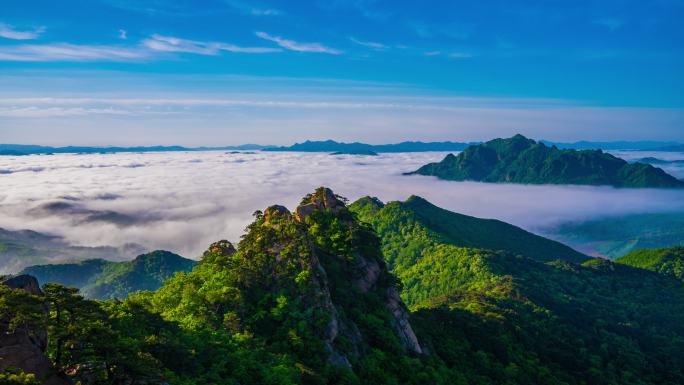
[[184, 201]]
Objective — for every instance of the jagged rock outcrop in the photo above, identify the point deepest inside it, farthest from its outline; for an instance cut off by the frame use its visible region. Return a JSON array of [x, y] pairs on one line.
[[316, 275], [275, 210], [365, 272], [221, 248], [400, 321], [369, 272], [24, 348], [24, 282], [322, 199]]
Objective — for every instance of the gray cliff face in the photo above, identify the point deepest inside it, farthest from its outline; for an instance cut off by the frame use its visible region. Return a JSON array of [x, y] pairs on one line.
[[24, 282], [366, 275], [401, 323], [25, 348]]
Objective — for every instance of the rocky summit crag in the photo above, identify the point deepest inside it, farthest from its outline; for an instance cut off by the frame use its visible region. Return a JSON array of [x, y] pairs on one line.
[[360, 274]]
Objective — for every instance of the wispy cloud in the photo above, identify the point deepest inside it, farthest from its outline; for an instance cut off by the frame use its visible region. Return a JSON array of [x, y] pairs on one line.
[[460, 55], [64, 106], [369, 44], [174, 44], [57, 112], [453, 55], [32, 107], [297, 46], [9, 32], [250, 9], [70, 52], [123, 34], [148, 49]]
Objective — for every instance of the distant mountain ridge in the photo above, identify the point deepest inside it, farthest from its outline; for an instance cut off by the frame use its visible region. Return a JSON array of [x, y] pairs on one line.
[[26, 149], [641, 145], [333, 146], [524, 161], [652, 160], [101, 279], [21, 248]]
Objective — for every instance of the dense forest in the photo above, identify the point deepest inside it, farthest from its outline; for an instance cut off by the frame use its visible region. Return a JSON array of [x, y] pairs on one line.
[[316, 296], [667, 261], [522, 160]]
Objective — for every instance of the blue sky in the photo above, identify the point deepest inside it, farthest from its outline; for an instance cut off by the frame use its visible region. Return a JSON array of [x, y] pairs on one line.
[[235, 71]]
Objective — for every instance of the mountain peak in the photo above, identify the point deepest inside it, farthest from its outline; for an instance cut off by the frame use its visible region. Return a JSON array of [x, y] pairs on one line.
[[221, 248], [415, 199], [322, 260], [519, 137], [524, 161], [321, 199]]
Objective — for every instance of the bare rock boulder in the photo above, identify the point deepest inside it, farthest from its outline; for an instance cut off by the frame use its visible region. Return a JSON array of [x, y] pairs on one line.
[[24, 348]]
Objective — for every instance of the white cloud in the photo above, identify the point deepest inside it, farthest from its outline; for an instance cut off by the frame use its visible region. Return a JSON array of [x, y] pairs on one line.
[[297, 46], [123, 34], [460, 55], [369, 44], [184, 201], [238, 49], [456, 105], [253, 10], [70, 52], [173, 44], [9, 32], [149, 49], [265, 12], [53, 112]]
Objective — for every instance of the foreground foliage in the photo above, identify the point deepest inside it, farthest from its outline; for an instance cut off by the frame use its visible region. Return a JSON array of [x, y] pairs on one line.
[[262, 314]]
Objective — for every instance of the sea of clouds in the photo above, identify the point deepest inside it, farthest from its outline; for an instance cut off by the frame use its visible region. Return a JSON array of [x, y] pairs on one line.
[[183, 201], [674, 161]]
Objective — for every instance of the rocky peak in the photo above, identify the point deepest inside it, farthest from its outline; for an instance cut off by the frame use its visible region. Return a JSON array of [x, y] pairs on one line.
[[367, 272], [24, 348], [221, 248], [25, 282], [276, 211], [321, 199], [295, 257]]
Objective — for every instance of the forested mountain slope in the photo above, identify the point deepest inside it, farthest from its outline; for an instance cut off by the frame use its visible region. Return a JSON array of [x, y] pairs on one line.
[[100, 279], [522, 160], [666, 261]]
